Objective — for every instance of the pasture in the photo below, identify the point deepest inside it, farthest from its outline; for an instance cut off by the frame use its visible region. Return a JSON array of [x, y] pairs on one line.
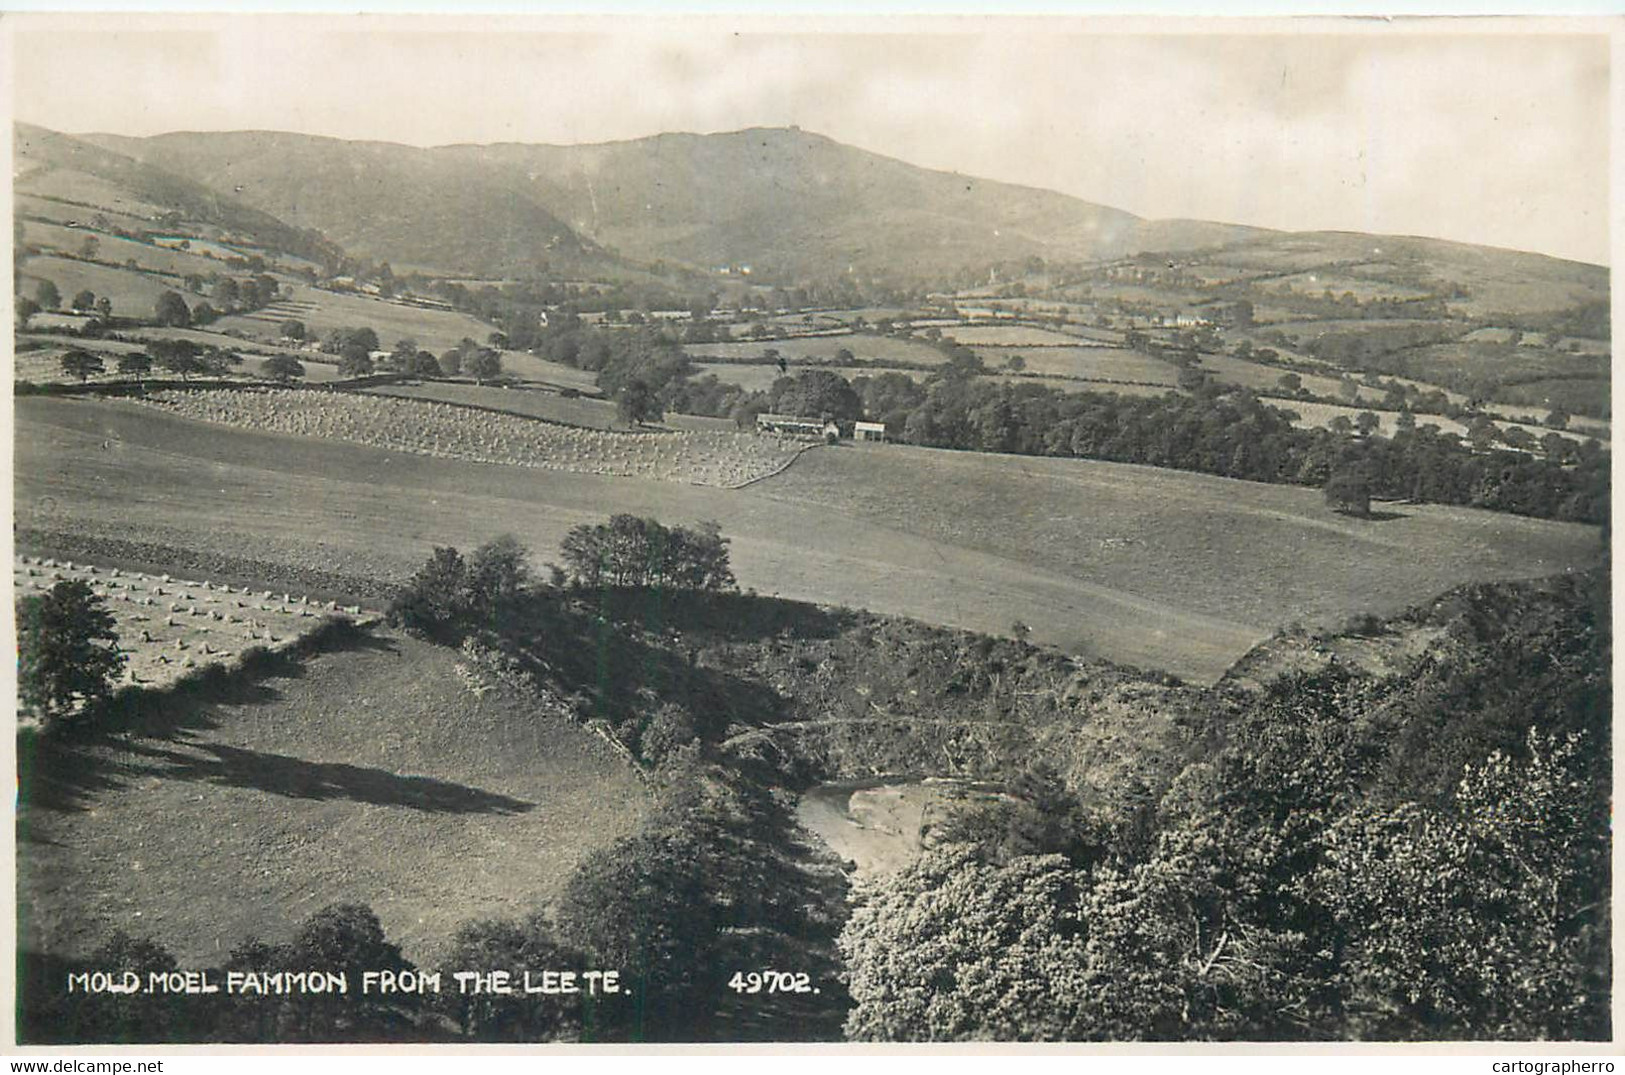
[[1086, 554], [1243, 556], [1090, 363], [72, 185], [116, 248], [322, 311], [1009, 336], [882, 349], [369, 773], [58, 212], [133, 294]]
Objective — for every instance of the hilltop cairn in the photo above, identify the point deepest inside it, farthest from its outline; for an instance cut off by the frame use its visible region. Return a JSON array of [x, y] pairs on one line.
[[442, 430]]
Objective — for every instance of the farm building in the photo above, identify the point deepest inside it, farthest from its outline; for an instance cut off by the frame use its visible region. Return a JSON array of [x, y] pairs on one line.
[[869, 431], [796, 426]]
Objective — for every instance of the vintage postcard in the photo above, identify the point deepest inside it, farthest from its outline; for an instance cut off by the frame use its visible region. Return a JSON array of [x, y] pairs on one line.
[[577, 530]]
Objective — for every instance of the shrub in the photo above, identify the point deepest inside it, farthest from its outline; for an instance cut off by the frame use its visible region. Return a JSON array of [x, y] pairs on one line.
[[450, 594]]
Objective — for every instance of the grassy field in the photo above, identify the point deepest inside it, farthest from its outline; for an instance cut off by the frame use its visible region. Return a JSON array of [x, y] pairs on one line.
[[133, 294], [1243, 556], [528, 367], [44, 365], [824, 348], [1008, 336], [322, 311], [1319, 415], [1083, 553], [76, 186], [370, 774], [1074, 385], [118, 249], [1093, 363]]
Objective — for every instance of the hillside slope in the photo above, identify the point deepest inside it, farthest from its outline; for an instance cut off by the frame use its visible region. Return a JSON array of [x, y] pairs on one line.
[[408, 206], [60, 167]]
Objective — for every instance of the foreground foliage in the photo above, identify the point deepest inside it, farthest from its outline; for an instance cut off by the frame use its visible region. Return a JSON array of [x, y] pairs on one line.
[[1308, 881], [67, 650]]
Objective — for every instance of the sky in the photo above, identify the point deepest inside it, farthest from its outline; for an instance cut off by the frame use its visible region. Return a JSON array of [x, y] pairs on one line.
[[1493, 131]]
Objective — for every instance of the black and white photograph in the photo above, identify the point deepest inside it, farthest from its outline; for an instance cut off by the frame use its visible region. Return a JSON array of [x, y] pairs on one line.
[[620, 530]]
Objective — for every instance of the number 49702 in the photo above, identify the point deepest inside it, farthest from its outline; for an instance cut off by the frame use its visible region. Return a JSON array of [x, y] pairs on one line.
[[771, 981]]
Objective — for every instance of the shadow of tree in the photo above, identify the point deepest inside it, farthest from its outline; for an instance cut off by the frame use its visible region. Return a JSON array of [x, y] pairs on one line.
[[295, 778], [66, 770]]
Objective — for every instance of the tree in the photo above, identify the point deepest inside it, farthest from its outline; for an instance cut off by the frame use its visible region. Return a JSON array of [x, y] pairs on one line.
[[1557, 419], [355, 360], [25, 309], [817, 394], [1486, 919], [1366, 423], [983, 937], [638, 404], [171, 310], [451, 363], [362, 337], [1348, 492], [484, 365], [1016, 363], [85, 300], [344, 937], [1289, 382], [67, 650], [178, 356], [284, 368], [204, 314], [423, 364], [81, 364], [135, 364], [632, 551], [104, 306], [516, 947], [46, 294], [450, 594], [435, 599], [293, 329]]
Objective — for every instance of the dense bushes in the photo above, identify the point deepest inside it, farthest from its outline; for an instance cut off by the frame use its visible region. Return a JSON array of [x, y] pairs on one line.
[[450, 595], [630, 551], [1313, 877]]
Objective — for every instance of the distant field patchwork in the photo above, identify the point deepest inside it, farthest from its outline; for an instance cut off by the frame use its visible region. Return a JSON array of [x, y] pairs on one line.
[[323, 311]]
